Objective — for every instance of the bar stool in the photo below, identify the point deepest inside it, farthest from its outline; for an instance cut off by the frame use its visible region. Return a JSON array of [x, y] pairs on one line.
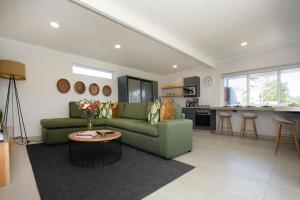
[[248, 116], [283, 122], [227, 117]]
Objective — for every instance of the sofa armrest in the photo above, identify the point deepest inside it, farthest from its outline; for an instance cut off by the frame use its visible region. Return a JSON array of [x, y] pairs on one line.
[[175, 137]]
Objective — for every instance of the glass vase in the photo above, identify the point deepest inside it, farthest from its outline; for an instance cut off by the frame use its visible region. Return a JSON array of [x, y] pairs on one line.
[[89, 125]]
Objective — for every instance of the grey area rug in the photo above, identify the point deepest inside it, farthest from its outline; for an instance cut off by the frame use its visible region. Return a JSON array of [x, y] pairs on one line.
[[136, 175]]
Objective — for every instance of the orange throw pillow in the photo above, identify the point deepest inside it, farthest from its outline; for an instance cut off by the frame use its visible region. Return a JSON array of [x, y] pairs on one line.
[[167, 110], [115, 110]]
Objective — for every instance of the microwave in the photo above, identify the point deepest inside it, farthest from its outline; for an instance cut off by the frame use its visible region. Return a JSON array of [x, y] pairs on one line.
[[190, 91]]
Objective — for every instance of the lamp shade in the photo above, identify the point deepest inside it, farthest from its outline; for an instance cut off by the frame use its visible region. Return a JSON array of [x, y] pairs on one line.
[[9, 68]]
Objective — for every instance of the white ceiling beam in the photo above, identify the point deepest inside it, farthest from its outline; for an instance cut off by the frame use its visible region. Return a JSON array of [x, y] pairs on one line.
[[136, 23]]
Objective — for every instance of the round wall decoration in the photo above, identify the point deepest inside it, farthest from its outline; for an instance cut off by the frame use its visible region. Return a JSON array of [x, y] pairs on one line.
[[94, 89], [63, 85], [106, 90], [79, 87]]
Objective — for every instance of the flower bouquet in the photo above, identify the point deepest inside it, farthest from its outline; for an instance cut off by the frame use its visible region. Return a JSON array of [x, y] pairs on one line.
[[89, 111]]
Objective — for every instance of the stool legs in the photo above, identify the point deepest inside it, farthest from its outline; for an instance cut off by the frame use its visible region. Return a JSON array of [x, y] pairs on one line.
[[243, 126], [279, 136], [229, 125], [254, 127], [295, 139], [221, 127]]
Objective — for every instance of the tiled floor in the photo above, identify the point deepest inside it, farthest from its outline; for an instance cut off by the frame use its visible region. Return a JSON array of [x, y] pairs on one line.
[[226, 168]]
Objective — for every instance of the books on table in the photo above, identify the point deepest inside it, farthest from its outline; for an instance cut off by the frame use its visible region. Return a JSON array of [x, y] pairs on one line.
[[86, 134]]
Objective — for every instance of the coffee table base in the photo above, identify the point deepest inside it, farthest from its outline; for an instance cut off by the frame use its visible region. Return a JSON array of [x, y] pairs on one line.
[[94, 154]]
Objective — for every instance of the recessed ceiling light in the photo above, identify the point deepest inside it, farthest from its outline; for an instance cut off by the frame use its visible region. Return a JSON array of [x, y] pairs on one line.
[[174, 66], [244, 44], [117, 46], [54, 24]]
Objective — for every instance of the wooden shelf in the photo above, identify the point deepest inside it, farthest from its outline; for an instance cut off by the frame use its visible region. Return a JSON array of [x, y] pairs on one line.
[[172, 96], [172, 87]]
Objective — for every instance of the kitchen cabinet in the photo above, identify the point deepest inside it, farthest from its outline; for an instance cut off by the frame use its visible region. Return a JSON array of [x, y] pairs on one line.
[[136, 90]]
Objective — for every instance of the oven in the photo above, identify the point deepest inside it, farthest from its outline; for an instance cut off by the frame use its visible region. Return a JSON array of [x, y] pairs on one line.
[[202, 118]]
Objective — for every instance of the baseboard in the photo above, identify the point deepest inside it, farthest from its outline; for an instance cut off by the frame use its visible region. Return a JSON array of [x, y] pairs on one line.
[[35, 139]]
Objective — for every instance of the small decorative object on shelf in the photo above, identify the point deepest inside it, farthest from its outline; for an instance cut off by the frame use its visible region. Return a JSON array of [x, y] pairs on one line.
[[173, 90], [89, 111], [79, 87], [172, 86], [63, 85]]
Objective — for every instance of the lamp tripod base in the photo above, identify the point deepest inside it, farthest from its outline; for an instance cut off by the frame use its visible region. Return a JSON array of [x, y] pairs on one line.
[[11, 93]]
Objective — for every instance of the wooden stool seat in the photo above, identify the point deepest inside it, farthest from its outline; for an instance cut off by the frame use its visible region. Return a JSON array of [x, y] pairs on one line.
[[224, 114], [283, 122], [248, 116], [227, 117]]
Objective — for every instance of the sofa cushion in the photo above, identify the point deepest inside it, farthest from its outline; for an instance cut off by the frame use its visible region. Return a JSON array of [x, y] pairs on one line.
[[167, 110], [74, 110], [121, 110], [115, 110], [69, 122], [178, 111], [136, 111], [139, 126], [153, 113], [105, 110]]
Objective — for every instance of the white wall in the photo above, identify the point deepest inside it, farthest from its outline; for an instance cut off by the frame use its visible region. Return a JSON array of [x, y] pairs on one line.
[[39, 95], [212, 95]]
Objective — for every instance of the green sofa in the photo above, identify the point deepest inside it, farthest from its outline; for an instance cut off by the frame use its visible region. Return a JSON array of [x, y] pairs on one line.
[[168, 139]]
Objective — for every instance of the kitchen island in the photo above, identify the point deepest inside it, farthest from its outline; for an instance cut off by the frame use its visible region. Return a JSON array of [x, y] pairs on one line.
[[266, 125]]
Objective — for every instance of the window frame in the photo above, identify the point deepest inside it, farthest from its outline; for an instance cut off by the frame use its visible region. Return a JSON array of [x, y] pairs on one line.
[[76, 65], [278, 71]]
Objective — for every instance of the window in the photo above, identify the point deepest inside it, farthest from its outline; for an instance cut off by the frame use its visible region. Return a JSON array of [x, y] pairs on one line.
[[235, 90], [268, 87], [263, 88], [290, 90], [80, 69]]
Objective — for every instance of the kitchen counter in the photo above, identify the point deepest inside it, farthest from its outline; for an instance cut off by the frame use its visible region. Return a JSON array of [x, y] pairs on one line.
[[244, 108], [295, 109], [266, 125]]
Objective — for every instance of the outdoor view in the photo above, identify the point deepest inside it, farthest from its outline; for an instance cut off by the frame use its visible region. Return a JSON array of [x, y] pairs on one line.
[[263, 88], [235, 90], [290, 87]]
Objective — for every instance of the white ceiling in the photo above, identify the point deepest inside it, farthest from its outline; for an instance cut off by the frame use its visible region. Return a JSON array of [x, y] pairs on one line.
[[215, 28], [83, 32], [191, 32]]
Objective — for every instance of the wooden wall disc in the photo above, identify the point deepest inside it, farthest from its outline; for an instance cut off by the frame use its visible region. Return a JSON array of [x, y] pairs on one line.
[[79, 87], [63, 85], [106, 90], [94, 89]]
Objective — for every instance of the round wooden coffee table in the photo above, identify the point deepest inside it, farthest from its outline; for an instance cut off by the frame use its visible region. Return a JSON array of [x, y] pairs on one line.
[[96, 151]]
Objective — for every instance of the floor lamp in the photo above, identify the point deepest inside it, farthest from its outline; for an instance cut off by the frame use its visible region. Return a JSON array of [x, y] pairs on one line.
[[13, 71]]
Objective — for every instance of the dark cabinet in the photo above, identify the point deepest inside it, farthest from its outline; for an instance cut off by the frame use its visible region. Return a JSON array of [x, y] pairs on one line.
[[190, 113], [136, 90], [191, 86]]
